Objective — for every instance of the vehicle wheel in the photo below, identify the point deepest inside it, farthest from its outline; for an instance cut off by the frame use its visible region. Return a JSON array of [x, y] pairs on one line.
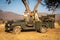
[[42, 29], [17, 29], [7, 31]]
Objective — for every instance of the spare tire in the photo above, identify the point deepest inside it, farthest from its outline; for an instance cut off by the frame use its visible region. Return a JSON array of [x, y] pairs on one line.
[[17, 29]]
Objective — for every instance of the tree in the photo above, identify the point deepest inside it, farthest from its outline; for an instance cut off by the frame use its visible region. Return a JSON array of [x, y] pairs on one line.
[[52, 4], [8, 1]]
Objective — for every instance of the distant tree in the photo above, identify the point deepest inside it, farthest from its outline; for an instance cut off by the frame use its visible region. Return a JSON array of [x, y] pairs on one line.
[[52, 4]]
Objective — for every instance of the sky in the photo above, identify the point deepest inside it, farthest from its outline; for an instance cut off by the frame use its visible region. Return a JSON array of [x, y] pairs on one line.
[[18, 7]]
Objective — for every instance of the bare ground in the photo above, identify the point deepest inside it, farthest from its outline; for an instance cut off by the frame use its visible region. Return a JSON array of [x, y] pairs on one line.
[[51, 34]]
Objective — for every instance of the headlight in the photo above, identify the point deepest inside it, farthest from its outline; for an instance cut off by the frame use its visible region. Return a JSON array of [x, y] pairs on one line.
[[8, 24]]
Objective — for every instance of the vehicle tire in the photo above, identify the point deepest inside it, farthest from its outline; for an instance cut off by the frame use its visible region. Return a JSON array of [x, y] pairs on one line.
[[7, 31], [17, 29], [42, 29]]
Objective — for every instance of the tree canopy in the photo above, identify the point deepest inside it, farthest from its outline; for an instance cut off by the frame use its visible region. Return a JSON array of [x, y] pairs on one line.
[[50, 4]]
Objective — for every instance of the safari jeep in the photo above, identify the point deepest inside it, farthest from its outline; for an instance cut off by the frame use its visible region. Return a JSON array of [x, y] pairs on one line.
[[17, 26]]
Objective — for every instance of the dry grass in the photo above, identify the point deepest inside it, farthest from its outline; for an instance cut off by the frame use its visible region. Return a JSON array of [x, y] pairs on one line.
[[51, 34], [57, 25]]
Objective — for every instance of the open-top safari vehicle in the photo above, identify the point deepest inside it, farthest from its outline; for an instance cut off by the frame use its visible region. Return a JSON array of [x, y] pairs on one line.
[[31, 21]]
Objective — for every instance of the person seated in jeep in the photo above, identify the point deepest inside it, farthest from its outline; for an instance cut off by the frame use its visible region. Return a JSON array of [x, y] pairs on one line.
[[26, 16], [33, 16]]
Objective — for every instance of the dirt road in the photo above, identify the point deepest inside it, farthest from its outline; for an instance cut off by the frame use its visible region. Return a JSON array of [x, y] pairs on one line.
[[51, 34]]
